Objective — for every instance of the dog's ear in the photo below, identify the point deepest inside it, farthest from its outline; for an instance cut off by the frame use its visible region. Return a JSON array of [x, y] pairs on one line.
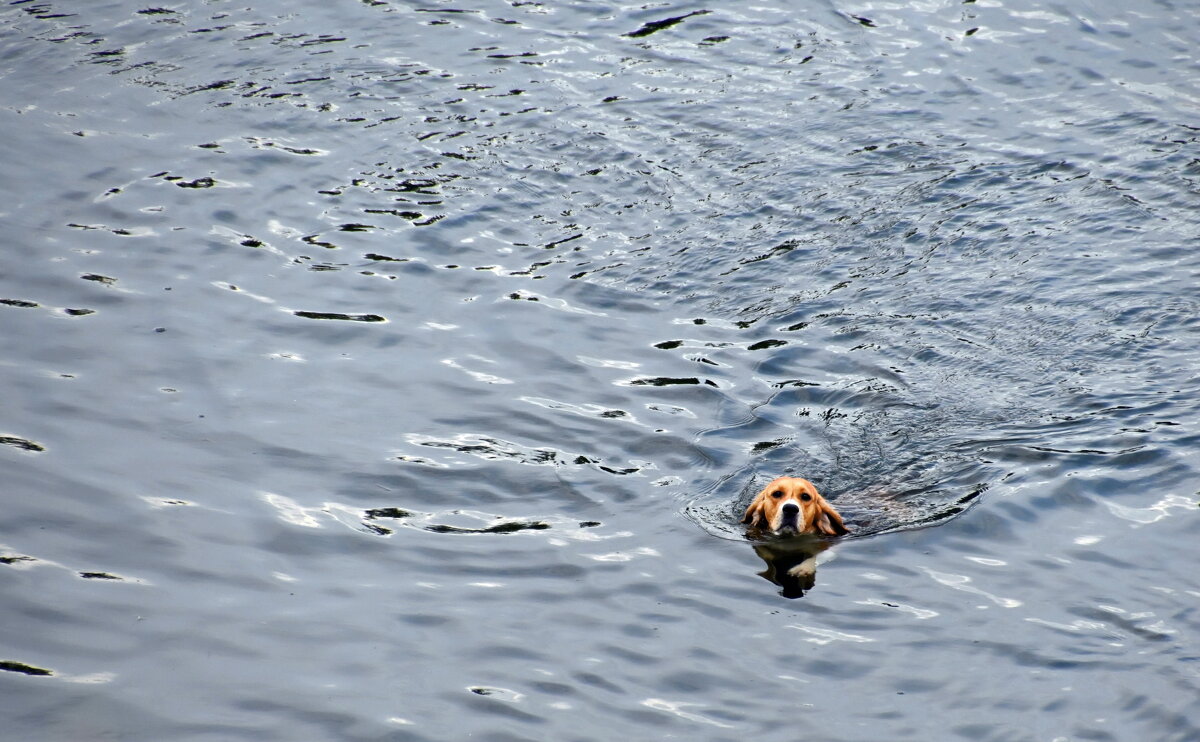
[[754, 515], [829, 521]]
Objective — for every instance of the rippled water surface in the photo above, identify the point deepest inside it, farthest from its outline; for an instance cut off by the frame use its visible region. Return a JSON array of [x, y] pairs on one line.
[[378, 369]]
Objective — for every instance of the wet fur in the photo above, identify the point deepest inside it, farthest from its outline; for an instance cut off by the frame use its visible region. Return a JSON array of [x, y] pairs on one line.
[[791, 505]]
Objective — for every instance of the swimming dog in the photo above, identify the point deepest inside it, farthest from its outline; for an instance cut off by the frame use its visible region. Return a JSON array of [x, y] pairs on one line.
[[794, 516]]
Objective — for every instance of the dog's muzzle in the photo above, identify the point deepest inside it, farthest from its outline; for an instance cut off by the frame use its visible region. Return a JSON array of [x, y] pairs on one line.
[[789, 514]]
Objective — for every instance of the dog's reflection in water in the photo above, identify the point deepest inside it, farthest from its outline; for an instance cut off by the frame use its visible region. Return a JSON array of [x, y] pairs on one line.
[[790, 519], [791, 563]]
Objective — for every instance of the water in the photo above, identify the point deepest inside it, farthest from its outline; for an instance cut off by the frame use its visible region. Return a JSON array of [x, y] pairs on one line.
[[391, 370]]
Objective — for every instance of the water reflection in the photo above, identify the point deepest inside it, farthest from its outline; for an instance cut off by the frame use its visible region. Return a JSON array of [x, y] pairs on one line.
[[791, 562]]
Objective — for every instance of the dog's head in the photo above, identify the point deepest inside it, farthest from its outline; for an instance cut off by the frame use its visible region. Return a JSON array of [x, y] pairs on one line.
[[791, 505]]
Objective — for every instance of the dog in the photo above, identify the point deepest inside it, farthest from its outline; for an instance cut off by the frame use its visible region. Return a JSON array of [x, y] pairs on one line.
[[792, 506], [793, 515]]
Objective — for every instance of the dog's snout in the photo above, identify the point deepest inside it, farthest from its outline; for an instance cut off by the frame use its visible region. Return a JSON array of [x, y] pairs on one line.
[[790, 508]]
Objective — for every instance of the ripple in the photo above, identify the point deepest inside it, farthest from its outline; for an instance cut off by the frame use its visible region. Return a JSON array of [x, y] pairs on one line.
[[935, 257], [21, 444]]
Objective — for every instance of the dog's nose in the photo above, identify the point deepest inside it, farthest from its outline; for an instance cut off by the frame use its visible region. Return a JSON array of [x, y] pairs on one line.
[[791, 508]]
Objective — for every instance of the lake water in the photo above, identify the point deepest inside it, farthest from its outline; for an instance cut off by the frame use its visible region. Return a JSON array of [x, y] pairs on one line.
[[398, 369]]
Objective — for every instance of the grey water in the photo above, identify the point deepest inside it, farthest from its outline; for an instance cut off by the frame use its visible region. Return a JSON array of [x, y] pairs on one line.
[[398, 369]]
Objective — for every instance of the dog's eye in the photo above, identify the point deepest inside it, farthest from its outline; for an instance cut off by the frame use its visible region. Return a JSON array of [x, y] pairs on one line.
[[777, 494], [805, 496]]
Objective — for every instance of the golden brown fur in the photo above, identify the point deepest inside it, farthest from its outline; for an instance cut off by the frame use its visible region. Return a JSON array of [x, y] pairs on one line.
[[791, 505]]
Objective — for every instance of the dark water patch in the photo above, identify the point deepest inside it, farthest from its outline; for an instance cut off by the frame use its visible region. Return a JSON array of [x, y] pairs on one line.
[[671, 381], [407, 215], [396, 513], [204, 182], [516, 55], [435, 522], [765, 344], [315, 241], [507, 527], [340, 316], [557, 243], [100, 576], [763, 446], [652, 27], [21, 443], [24, 669], [380, 513], [267, 144]]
